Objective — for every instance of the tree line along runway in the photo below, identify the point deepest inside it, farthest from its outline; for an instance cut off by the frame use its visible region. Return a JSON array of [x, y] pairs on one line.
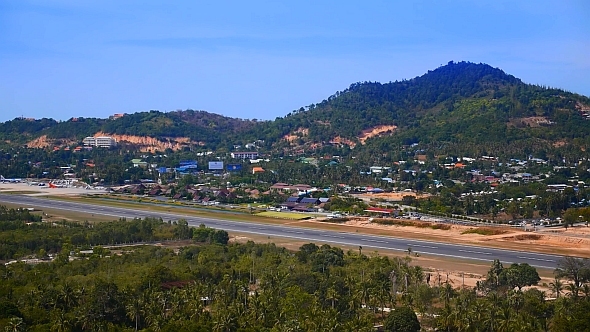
[[460, 251]]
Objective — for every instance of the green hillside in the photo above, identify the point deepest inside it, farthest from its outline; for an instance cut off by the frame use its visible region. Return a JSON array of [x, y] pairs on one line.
[[199, 126], [463, 104], [457, 108]]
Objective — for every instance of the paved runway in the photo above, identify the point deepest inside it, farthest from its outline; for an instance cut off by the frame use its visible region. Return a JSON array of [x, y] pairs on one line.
[[305, 234]]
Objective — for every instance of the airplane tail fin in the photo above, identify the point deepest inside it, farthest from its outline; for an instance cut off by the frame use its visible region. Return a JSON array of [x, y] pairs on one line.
[[2, 178]]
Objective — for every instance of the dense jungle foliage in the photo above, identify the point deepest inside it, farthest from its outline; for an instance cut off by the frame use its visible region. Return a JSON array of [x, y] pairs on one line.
[[261, 287]]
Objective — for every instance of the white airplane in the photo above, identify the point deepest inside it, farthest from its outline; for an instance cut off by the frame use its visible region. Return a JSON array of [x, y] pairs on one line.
[[4, 180]]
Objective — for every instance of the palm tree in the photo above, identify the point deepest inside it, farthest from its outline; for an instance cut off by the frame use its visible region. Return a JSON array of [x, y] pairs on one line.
[[516, 299], [556, 287], [506, 321], [15, 324], [177, 302], [154, 312], [134, 310], [573, 289], [59, 321], [446, 320], [447, 293], [224, 322], [257, 311], [364, 292], [494, 302], [479, 313], [194, 306], [332, 295], [68, 297], [423, 296]]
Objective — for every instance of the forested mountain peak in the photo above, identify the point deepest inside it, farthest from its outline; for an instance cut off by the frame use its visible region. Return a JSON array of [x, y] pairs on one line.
[[456, 75], [458, 105], [455, 104]]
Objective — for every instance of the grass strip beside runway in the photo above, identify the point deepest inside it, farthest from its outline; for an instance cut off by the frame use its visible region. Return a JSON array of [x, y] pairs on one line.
[[284, 215]]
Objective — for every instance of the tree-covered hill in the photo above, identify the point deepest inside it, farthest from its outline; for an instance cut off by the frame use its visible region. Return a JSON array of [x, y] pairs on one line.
[[459, 103], [460, 107], [198, 126]]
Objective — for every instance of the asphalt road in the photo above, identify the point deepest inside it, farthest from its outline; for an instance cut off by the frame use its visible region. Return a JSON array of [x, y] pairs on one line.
[[305, 234]]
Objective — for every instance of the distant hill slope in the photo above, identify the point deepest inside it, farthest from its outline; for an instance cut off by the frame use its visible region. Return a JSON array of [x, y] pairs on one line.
[[459, 104], [197, 126], [459, 107]]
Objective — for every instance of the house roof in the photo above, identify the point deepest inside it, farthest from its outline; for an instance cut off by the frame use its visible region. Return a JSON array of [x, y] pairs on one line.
[[154, 191], [301, 186], [293, 199], [280, 185], [309, 200]]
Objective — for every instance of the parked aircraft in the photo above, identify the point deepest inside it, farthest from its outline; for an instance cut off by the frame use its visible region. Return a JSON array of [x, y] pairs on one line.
[[4, 180]]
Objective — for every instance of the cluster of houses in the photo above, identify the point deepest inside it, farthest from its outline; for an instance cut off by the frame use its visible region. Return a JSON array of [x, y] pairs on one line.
[[197, 194], [208, 195]]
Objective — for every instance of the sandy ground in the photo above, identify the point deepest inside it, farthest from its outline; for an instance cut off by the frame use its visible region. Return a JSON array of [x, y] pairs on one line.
[[574, 241]]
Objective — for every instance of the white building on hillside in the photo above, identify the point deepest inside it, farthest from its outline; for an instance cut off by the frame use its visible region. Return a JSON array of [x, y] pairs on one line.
[[244, 155], [101, 141]]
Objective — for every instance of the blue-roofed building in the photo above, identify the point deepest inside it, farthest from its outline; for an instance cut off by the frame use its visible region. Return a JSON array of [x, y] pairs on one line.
[[293, 199], [188, 163]]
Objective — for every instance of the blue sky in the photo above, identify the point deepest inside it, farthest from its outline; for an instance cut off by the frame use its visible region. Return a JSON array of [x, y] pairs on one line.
[[263, 59]]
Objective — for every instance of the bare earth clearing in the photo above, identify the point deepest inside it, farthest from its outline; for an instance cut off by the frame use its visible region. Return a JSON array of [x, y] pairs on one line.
[[376, 132], [146, 143]]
